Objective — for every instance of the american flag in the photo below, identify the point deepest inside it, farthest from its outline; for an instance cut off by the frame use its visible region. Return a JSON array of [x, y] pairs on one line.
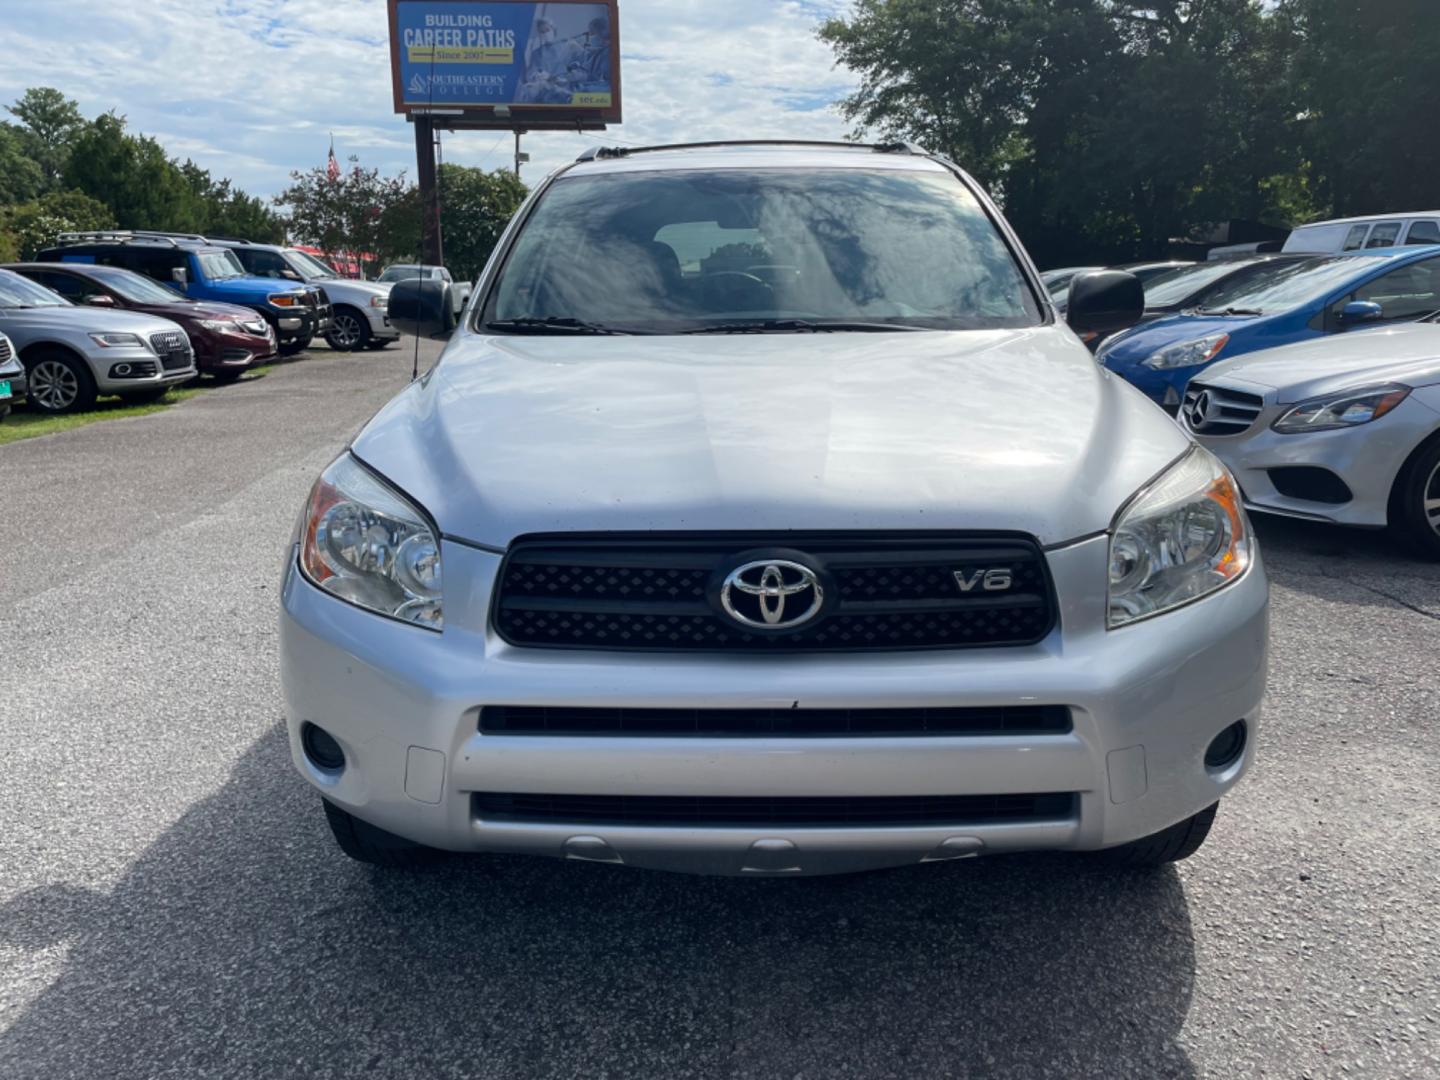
[[332, 169]]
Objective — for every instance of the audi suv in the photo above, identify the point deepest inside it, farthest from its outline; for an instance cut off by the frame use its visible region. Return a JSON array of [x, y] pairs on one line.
[[763, 517]]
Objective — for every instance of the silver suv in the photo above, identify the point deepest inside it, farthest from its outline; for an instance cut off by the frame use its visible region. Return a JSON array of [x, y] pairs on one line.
[[72, 354], [785, 529]]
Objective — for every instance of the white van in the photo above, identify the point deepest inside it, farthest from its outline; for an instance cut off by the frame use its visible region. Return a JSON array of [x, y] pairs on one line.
[[1357, 234]]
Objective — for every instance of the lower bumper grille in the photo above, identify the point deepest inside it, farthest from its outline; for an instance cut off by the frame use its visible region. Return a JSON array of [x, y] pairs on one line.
[[774, 723], [684, 810]]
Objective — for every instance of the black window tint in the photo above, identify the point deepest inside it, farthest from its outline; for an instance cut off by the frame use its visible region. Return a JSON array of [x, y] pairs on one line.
[[73, 288], [1424, 232], [1384, 236], [1405, 293], [261, 263]]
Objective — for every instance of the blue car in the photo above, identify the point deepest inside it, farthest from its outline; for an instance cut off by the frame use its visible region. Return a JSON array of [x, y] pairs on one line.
[[1289, 302]]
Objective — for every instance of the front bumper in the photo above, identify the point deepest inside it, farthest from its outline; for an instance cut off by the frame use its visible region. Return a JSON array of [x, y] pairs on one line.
[[218, 351], [404, 702], [146, 370], [18, 386], [380, 328], [1367, 459]]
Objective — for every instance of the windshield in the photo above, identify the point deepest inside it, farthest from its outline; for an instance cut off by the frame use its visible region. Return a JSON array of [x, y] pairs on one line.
[[219, 265], [402, 273], [309, 267], [1286, 285], [1178, 285], [681, 252], [137, 288], [21, 292]]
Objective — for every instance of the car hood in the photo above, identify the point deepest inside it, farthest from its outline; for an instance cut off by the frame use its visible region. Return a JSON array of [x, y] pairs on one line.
[[200, 309], [350, 288], [81, 319], [1407, 354], [981, 430], [1127, 350], [251, 286]]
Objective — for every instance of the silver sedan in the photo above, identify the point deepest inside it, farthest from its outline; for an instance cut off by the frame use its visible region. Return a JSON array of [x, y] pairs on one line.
[[1344, 429]]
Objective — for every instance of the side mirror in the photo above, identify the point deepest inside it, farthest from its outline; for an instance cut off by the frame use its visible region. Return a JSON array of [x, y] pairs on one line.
[[1103, 302], [100, 300], [1361, 311], [291, 274], [179, 276], [422, 308]]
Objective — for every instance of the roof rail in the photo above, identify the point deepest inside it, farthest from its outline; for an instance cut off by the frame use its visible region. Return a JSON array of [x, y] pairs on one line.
[[594, 153], [126, 236]]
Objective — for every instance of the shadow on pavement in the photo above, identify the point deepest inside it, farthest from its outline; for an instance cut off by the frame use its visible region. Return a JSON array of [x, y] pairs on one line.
[[243, 944]]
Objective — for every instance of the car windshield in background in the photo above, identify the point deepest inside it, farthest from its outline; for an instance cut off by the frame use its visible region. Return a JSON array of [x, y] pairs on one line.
[[783, 249], [309, 267], [1174, 286], [137, 288], [1286, 285], [21, 292], [410, 273], [219, 265]]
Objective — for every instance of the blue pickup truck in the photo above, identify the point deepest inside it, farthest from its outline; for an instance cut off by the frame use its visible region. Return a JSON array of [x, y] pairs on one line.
[[203, 271]]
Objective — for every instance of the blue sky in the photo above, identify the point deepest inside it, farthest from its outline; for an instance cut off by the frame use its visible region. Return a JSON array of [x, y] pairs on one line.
[[251, 89]]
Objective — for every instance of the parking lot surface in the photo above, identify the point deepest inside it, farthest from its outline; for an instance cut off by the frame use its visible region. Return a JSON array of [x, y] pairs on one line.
[[172, 905]]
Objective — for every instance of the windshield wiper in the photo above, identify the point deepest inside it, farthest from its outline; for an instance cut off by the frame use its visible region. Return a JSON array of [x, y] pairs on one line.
[[1229, 311], [554, 324], [799, 326]]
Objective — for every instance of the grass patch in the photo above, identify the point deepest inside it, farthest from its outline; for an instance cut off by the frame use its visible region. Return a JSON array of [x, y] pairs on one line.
[[27, 423]]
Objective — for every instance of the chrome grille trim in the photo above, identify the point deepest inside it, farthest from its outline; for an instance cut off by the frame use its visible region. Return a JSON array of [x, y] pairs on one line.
[[1226, 411]]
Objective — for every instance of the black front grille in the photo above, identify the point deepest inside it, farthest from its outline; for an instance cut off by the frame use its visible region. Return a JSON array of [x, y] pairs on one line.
[[173, 348], [882, 593], [691, 810], [774, 723], [5, 351]]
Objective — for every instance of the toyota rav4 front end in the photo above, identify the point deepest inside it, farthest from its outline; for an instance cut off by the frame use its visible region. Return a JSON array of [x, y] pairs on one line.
[[763, 519]]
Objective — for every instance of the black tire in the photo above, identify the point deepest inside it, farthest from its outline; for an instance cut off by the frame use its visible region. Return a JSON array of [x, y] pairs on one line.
[[145, 397], [349, 330], [1178, 842], [1415, 502], [52, 390], [299, 345], [365, 843], [227, 375], [376, 344]]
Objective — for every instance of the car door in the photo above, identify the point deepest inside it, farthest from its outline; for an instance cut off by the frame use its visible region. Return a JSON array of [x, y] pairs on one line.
[[266, 264], [1404, 294], [73, 287]]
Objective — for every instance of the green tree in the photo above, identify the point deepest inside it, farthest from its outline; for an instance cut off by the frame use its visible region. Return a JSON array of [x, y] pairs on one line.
[[131, 175], [1368, 75], [1105, 128], [345, 215], [50, 123], [21, 177], [475, 207], [33, 225]]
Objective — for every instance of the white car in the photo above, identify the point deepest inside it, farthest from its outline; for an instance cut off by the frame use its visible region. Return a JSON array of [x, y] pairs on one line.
[[1343, 429], [459, 290], [1363, 233], [762, 517]]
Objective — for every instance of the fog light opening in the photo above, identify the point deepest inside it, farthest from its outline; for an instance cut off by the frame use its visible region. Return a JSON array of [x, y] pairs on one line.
[[1225, 749], [321, 748], [122, 369]]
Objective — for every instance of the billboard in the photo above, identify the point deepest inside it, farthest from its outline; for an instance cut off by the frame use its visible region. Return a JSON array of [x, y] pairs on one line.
[[551, 64]]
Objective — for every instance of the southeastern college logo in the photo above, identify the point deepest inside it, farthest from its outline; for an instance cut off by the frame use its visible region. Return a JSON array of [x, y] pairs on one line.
[[420, 84]]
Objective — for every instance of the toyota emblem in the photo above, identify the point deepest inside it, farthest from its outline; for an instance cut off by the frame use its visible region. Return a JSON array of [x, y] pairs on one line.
[[772, 594]]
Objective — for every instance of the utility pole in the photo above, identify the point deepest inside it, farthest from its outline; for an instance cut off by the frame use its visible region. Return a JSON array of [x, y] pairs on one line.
[[432, 249]]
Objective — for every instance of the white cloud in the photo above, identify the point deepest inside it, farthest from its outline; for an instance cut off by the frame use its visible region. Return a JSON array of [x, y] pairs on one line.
[[253, 88]]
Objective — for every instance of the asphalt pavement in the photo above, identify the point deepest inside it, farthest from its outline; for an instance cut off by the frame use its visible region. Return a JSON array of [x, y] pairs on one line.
[[172, 905]]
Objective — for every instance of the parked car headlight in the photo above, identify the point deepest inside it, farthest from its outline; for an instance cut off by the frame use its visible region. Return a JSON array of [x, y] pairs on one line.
[[115, 341], [220, 326], [1187, 353], [1183, 537], [366, 543], [285, 299], [1350, 409], [379, 301]]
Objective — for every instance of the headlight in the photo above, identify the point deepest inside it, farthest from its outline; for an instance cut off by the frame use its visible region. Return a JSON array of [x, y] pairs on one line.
[[365, 543], [1187, 353], [1181, 538], [1350, 409], [221, 326], [111, 341], [379, 301], [284, 299]]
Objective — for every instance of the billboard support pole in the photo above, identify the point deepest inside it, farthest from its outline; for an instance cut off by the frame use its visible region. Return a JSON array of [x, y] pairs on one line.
[[517, 153], [432, 250]]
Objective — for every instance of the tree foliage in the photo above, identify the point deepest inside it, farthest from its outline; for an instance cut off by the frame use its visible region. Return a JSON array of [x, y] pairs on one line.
[[56, 169], [1107, 128]]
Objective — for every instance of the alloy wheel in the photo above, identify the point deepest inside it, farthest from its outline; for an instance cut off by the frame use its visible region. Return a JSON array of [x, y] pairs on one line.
[[344, 332], [53, 385], [1431, 499]]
